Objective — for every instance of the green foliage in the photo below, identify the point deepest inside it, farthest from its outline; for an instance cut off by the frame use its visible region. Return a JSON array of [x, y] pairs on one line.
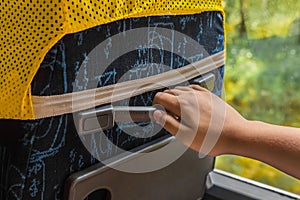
[[264, 18], [262, 78]]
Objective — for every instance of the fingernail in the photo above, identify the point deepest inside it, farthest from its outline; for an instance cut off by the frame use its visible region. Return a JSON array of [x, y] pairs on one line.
[[157, 115]]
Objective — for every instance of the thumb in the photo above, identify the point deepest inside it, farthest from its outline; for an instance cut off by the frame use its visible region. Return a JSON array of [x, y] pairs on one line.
[[158, 116], [167, 121]]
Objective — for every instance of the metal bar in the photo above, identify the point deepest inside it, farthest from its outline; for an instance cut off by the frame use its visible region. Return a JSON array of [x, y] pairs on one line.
[[103, 118], [224, 186]]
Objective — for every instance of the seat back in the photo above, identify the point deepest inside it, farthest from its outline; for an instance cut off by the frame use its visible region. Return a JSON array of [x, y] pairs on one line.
[[48, 151]]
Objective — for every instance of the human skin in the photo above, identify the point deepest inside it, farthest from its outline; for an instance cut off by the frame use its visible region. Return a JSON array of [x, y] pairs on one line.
[[278, 146]]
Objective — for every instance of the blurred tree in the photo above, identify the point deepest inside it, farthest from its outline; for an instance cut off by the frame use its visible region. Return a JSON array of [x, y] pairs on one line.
[[299, 33], [243, 28]]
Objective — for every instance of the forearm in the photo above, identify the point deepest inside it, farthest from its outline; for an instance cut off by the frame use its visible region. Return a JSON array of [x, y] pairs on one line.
[[276, 145]]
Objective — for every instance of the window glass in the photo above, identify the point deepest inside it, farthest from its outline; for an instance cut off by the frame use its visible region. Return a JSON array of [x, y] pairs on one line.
[[262, 78]]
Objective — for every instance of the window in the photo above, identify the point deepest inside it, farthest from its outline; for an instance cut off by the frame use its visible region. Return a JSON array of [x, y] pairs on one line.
[[262, 78]]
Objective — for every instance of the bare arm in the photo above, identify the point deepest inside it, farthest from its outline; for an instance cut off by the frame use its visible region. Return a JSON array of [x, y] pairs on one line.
[[276, 145]]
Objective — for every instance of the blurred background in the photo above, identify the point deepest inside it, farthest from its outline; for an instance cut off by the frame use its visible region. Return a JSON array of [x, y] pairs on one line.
[[262, 78]]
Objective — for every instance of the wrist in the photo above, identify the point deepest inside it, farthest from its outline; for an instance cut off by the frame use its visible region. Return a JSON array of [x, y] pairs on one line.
[[248, 139], [235, 137]]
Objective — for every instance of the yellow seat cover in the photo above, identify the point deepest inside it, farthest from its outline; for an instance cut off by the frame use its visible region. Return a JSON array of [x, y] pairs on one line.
[[30, 28]]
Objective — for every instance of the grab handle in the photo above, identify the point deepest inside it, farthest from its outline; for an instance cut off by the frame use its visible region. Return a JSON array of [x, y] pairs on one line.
[[104, 118]]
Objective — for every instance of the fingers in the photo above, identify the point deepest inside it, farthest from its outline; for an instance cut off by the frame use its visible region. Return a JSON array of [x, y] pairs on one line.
[[174, 127], [178, 90], [167, 121], [171, 99], [197, 87], [168, 101]]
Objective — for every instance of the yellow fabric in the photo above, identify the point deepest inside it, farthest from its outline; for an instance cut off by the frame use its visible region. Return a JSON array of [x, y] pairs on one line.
[[30, 28]]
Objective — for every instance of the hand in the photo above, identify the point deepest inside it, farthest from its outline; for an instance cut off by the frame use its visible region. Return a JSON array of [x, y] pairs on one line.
[[198, 118], [207, 124]]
